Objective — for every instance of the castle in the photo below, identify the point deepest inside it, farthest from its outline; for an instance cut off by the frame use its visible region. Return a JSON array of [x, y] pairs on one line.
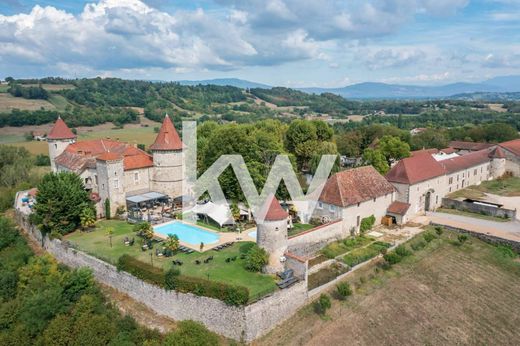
[[115, 171]]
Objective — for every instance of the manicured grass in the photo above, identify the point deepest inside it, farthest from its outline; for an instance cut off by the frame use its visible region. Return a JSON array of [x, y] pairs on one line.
[[97, 244], [470, 214], [345, 245], [299, 227]]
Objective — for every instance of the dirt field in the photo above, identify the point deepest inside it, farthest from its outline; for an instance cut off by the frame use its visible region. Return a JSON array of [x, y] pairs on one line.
[[445, 295], [9, 102], [497, 107]]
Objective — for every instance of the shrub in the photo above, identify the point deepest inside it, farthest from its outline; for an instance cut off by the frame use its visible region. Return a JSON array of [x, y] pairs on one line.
[[402, 251], [170, 278], [344, 290], [380, 246], [323, 304], [418, 245], [367, 223], [256, 259], [392, 258], [191, 333], [141, 270], [360, 255], [439, 230], [385, 265], [428, 237], [462, 238], [107, 209], [506, 251]]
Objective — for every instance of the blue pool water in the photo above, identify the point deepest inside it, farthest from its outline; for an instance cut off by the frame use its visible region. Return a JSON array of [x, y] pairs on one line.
[[187, 233]]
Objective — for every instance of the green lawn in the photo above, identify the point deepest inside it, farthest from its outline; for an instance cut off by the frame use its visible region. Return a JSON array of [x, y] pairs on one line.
[[343, 246], [299, 227], [4, 88], [97, 244]]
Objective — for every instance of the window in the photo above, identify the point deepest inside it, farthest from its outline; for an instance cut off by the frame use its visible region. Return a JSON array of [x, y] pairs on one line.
[[136, 177], [450, 180], [320, 205], [450, 189], [358, 220], [374, 200], [475, 172], [457, 178], [358, 204], [102, 186], [116, 183], [95, 177], [481, 169], [55, 146], [332, 208], [437, 199]]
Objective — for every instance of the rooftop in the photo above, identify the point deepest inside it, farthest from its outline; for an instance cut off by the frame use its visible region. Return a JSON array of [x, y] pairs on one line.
[[60, 130], [471, 146], [167, 138], [513, 146], [354, 186]]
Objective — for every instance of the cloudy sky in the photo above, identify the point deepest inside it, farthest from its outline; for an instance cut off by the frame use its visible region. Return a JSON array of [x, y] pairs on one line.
[[278, 42]]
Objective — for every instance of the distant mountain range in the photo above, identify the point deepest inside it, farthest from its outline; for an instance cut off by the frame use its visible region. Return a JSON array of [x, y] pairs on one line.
[[370, 90]]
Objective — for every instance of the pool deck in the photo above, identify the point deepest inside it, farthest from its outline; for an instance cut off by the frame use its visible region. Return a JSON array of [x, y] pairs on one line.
[[225, 237]]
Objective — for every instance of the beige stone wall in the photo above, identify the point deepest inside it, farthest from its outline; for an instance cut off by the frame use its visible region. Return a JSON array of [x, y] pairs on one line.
[[167, 175], [137, 180], [512, 163], [56, 147], [272, 236], [110, 181]]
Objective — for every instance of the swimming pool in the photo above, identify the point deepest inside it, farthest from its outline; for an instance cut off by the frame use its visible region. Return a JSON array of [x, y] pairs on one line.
[[187, 233]]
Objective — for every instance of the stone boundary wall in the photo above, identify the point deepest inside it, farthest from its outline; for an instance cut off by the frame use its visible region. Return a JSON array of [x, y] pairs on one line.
[[478, 208], [311, 241], [488, 238], [240, 323]]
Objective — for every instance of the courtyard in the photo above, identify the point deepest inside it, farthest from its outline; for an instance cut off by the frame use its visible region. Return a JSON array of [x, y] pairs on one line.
[[227, 265]]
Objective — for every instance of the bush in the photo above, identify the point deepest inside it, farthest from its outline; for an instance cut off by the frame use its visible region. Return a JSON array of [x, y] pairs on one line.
[[230, 294], [462, 238], [420, 244], [323, 304], [256, 259], [360, 255], [107, 209], [392, 258], [170, 278], [141, 270], [428, 237], [506, 251], [191, 333], [367, 223], [439, 230], [42, 160], [343, 289], [402, 251]]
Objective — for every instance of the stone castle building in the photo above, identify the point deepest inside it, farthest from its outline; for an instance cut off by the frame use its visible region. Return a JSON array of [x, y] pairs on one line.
[[115, 170]]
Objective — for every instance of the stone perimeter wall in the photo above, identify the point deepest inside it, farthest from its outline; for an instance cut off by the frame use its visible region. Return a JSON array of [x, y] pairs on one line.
[[478, 208], [311, 241], [240, 323]]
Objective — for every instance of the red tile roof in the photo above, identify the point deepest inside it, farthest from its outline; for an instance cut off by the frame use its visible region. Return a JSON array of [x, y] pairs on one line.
[[448, 150], [513, 146], [167, 138], [422, 151], [462, 162], [399, 208], [497, 153], [412, 170], [354, 186], [60, 130], [108, 156], [83, 154], [275, 211], [472, 146]]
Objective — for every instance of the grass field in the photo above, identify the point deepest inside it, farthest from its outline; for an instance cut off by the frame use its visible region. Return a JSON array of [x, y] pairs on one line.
[[441, 295], [97, 244], [9, 102], [4, 88], [54, 87]]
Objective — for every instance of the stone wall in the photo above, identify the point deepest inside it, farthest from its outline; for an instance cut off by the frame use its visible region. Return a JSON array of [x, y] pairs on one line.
[[240, 323], [484, 237], [478, 208], [309, 242]]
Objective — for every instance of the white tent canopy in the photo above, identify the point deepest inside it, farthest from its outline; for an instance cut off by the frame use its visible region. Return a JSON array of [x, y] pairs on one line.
[[217, 212]]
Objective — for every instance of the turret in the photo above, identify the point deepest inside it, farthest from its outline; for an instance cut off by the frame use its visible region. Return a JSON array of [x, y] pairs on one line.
[[498, 162], [58, 139], [168, 175], [110, 171], [271, 234]]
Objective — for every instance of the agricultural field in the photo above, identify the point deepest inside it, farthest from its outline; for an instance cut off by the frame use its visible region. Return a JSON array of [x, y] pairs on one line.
[[9, 102], [53, 87], [442, 294]]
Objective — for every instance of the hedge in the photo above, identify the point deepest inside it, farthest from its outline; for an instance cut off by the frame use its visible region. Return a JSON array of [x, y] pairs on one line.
[[173, 280]]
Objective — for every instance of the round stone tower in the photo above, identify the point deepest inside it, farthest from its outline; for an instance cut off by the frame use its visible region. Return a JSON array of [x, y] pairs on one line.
[[498, 162], [271, 234], [58, 139], [110, 172], [168, 174]]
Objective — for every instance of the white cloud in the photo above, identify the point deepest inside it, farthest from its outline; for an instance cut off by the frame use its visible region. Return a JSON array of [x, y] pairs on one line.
[[392, 57], [420, 78]]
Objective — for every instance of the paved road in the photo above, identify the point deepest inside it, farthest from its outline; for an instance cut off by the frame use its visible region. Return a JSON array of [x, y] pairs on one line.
[[508, 230]]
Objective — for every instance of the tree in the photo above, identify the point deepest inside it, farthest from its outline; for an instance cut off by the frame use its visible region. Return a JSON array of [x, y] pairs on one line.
[[87, 218], [430, 138], [110, 233], [393, 148], [172, 242], [107, 209], [323, 304], [299, 131], [235, 211], [60, 201], [256, 258], [144, 230], [375, 158]]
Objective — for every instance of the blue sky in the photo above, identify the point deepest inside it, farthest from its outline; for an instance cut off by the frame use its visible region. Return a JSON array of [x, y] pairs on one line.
[[279, 42]]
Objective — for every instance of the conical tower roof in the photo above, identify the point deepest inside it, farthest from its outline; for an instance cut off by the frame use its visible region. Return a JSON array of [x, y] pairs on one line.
[[60, 130], [167, 138]]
